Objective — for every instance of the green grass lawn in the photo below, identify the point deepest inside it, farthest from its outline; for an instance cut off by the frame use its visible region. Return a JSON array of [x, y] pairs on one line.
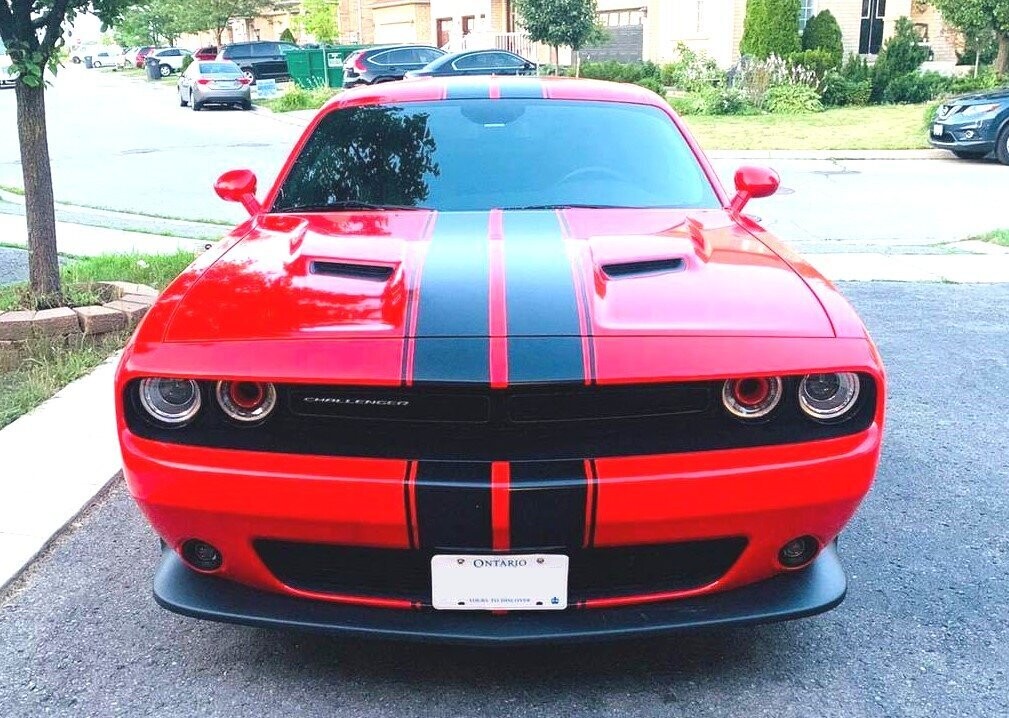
[[999, 237], [45, 366], [296, 98], [888, 127]]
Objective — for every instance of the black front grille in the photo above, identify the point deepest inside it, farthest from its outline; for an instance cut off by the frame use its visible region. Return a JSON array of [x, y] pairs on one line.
[[530, 423], [406, 574]]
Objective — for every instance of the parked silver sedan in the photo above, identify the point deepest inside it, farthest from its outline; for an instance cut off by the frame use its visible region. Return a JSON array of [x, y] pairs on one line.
[[214, 82]]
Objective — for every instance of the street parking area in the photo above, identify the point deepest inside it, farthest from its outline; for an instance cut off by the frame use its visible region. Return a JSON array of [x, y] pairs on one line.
[[922, 632]]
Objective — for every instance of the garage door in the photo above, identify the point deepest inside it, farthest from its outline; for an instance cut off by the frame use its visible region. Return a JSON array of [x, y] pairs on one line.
[[394, 32]]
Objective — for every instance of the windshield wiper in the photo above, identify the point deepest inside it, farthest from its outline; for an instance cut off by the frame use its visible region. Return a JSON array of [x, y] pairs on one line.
[[347, 204], [570, 205]]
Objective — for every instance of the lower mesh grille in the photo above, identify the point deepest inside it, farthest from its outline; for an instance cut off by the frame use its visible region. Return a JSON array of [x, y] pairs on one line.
[[406, 574]]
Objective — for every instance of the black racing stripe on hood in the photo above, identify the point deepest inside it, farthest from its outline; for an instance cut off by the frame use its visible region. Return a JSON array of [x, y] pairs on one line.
[[542, 310], [454, 302], [522, 88], [548, 500], [453, 505], [468, 88]]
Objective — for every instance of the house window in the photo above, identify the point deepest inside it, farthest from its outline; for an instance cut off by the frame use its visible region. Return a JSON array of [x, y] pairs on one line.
[[621, 18], [806, 11]]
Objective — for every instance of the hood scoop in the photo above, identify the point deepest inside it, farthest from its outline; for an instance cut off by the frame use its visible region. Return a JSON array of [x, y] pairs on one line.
[[350, 270], [643, 268]]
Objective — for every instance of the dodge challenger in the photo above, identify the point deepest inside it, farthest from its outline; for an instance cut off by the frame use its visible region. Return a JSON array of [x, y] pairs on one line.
[[498, 360]]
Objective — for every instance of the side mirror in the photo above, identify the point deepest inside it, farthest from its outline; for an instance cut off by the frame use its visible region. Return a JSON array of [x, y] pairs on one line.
[[239, 186], [753, 182]]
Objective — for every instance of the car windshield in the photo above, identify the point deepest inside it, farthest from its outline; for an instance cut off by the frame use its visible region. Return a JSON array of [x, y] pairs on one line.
[[459, 155], [219, 68]]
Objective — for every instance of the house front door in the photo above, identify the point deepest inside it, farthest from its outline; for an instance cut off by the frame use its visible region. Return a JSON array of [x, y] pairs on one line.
[[443, 29]]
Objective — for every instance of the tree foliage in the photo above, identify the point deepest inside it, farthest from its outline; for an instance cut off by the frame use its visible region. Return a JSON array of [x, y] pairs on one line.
[[771, 27], [823, 33], [153, 22], [901, 55], [978, 17], [318, 18], [559, 23]]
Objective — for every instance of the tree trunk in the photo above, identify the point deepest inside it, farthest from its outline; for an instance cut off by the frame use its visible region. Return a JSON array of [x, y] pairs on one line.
[[578, 63], [1002, 59], [43, 261]]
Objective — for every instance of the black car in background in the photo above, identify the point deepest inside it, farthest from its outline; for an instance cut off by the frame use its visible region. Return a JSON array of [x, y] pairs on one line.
[[386, 63], [259, 60], [974, 126], [477, 62]]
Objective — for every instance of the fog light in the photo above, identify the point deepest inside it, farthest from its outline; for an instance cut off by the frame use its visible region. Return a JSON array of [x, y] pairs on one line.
[[201, 555], [969, 134], [798, 552]]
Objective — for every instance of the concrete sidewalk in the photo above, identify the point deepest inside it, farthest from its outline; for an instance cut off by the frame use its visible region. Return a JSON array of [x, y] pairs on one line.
[[86, 241]]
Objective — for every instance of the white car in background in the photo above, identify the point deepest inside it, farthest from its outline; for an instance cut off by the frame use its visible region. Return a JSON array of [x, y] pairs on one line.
[[8, 75], [78, 54], [169, 59], [107, 56]]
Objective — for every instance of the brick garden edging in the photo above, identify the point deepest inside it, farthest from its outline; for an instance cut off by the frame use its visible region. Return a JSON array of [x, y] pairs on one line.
[[127, 307]]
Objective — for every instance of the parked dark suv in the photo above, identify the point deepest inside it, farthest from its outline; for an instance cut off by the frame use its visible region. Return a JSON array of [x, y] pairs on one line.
[[974, 126], [386, 63], [263, 60]]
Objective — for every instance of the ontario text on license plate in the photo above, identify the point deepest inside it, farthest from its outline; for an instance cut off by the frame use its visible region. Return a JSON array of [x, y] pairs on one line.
[[535, 582]]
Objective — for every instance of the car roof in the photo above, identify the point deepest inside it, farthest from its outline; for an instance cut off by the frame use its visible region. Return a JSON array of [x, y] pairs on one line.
[[453, 56], [434, 89], [398, 46]]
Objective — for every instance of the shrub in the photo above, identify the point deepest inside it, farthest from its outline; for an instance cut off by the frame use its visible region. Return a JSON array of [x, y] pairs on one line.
[[823, 33], [819, 62], [186, 62], [691, 71], [792, 100], [771, 27], [987, 79], [652, 84], [692, 103], [620, 71], [915, 87], [287, 36], [839, 91], [857, 69], [901, 55], [755, 77], [728, 101]]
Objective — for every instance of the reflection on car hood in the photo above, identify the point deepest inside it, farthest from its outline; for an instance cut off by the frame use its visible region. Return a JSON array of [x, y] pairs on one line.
[[565, 273]]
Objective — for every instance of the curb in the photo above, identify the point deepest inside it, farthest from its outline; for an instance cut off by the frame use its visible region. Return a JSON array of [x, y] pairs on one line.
[[832, 154]]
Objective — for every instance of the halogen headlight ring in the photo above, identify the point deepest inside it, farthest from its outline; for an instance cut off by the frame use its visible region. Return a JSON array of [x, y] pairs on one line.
[[170, 401], [829, 397], [248, 402]]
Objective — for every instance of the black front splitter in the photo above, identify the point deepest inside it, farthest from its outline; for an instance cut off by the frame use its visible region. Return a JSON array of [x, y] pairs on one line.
[[815, 589]]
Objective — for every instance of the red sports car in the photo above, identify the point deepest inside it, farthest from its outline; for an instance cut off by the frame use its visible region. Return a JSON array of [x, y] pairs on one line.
[[498, 360]]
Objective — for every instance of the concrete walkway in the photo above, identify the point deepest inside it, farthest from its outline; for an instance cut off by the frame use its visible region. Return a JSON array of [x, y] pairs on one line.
[[55, 460], [85, 241]]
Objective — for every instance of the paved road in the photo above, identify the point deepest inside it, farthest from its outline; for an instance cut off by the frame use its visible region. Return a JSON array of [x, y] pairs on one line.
[[13, 265], [126, 143], [922, 633]]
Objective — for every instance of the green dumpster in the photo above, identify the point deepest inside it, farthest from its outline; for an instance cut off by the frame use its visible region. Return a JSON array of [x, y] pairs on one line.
[[335, 55], [307, 67]]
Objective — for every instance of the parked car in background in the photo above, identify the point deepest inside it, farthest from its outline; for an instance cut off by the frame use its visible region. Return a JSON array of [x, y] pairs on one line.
[[128, 57], [141, 55], [206, 53], [974, 126], [170, 59], [214, 82], [8, 75], [477, 62], [386, 63], [259, 60], [107, 57]]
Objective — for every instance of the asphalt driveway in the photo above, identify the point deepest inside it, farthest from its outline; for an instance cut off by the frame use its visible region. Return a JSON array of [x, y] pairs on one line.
[[922, 633], [13, 265]]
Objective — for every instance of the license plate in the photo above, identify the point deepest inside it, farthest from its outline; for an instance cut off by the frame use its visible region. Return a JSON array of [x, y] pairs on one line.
[[536, 582], [937, 130], [224, 85]]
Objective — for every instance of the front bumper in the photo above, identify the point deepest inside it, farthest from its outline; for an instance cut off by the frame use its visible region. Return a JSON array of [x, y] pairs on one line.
[[818, 588], [954, 137]]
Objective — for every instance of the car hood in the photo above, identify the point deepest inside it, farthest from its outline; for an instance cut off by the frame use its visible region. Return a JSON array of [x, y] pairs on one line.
[[573, 272], [1001, 93]]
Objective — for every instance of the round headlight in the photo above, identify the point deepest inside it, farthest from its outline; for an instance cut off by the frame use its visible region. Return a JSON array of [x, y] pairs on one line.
[[825, 397], [170, 401], [246, 401], [751, 398]]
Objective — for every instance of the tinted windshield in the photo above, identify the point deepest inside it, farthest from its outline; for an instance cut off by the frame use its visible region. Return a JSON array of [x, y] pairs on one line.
[[485, 154]]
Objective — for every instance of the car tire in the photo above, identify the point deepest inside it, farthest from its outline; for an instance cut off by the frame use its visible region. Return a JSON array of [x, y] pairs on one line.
[[96, 65], [246, 105], [968, 155], [1002, 146], [182, 101], [165, 70], [250, 74], [197, 106], [75, 60]]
